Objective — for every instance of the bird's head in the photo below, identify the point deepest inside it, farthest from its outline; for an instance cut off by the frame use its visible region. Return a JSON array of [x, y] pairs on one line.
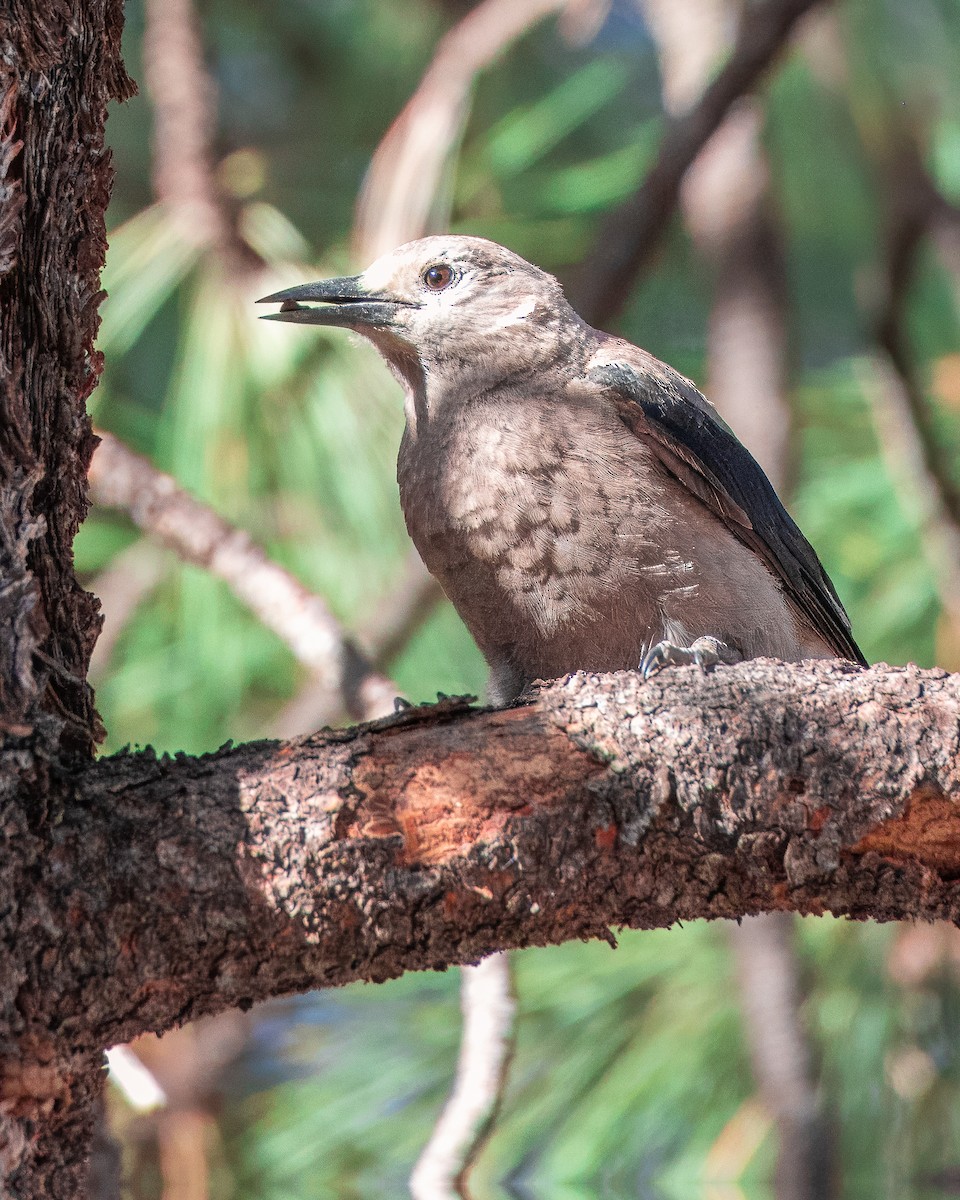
[[443, 311]]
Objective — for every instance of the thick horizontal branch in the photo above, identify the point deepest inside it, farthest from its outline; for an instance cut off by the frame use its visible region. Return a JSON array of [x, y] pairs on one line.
[[176, 887]]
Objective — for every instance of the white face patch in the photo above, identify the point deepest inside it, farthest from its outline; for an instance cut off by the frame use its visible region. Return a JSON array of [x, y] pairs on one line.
[[523, 309], [380, 276]]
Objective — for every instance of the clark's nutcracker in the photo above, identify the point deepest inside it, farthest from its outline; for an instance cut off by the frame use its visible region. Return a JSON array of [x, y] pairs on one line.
[[580, 502]]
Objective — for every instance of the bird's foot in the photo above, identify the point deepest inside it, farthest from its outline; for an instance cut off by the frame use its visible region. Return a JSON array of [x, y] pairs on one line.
[[705, 653]]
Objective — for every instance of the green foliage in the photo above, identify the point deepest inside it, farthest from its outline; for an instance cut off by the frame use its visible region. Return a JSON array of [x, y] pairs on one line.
[[629, 1065]]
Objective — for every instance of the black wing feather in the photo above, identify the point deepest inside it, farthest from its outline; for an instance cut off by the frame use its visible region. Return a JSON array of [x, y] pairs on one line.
[[667, 412]]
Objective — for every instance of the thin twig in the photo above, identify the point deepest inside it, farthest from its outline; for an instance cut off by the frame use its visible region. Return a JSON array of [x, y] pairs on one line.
[[400, 613], [919, 468], [403, 196], [770, 997], [119, 478], [489, 1009], [727, 209], [395, 620], [140, 1087], [628, 236], [184, 96], [904, 454], [184, 100], [916, 212]]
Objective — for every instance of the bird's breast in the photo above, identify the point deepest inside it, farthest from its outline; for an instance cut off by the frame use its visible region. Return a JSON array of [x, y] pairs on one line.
[[534, 517]]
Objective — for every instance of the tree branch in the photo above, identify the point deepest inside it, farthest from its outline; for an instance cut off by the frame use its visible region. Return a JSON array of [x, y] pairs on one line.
[[184, 886], [772, 1001], [489, 1013], [184, 96], [629, 235], [184, 99], [892, 398], [119, 478], [919, 468], [401, 612], [397, 617], [916, 210], [403, 188]]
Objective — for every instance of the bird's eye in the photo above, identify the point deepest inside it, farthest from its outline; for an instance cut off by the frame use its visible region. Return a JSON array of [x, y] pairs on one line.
[[437, 277]]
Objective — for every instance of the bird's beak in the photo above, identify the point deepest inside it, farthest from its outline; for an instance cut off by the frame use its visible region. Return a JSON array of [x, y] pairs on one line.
[[343, 302]]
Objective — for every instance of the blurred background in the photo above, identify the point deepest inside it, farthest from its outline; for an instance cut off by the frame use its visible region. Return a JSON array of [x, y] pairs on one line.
[[805, 274]]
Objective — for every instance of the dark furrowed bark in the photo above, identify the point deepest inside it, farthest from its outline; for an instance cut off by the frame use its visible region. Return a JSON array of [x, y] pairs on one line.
[[59, 66]]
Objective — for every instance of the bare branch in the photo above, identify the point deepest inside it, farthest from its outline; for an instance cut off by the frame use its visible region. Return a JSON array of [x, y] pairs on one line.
[[916, 480], [396, 619], [184, 96], [140, 1087], [184, 118], [916, 462], [771, 998], [728, 211], [489, 1011], [916, 209], [158, 505], [400, 614], [628, 237], [404, 185]]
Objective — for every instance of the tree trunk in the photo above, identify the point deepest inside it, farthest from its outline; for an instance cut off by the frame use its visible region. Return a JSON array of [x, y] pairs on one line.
[[59, 65]]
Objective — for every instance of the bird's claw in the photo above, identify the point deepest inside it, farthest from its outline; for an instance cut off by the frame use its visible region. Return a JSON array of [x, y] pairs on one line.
[[706, 653]]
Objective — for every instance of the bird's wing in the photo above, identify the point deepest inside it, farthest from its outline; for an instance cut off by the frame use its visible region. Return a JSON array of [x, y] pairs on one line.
[[666, 411]]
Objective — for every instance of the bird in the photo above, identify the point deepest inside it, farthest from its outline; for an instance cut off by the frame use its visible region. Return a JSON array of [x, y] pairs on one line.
[[582, 504]]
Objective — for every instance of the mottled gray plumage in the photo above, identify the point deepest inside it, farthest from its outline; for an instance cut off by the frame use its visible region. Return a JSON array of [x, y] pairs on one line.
[[581, 503]]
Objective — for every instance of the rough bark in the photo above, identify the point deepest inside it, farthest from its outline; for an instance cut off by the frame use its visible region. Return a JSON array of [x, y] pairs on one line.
[[59, 66], [170, 888], [56, 180]]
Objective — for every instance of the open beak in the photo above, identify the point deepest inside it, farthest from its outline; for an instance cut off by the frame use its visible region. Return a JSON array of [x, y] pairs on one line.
[[341, 302]]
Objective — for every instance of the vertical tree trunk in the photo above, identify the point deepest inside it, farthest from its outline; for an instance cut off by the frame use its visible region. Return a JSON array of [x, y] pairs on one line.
[[59, 66]]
